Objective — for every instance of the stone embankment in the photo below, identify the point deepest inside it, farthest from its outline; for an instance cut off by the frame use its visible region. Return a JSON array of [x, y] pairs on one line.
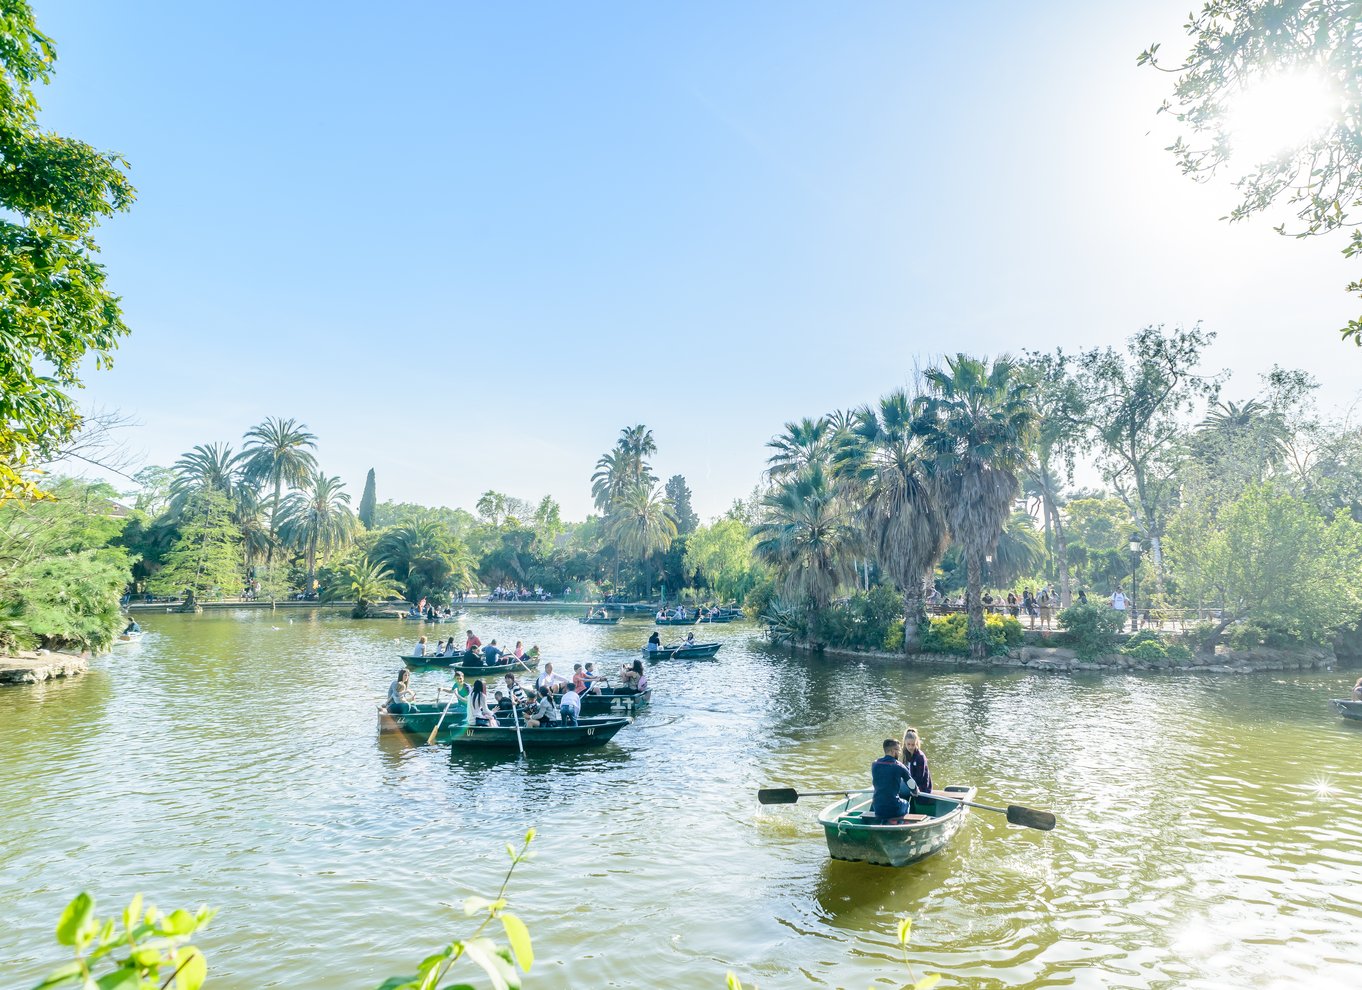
[[30, 668], [1056, 659]]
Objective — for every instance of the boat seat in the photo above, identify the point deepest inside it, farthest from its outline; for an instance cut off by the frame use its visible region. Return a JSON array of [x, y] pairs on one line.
[[905, 820]]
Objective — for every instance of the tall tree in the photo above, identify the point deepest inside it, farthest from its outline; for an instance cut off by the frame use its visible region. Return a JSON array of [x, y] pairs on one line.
[[1304, 54], [880, 458], [679, 496], [206, 558], [641, 523], [317, 519], [278, 452], [56, 312], [212, 466], [368, 501], [1136, 406], [977, 424], [804, 442], [807, 536]]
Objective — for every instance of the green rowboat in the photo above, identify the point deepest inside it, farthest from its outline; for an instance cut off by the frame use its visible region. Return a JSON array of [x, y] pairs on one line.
[[700, 651], [588, 732], [854, 835], [616, 701], [1346, 708], [421, 719], [599, 621], [462, 661]]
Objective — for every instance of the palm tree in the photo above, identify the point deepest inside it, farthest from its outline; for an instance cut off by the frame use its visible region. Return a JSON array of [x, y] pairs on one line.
[[213, 466], [802, 443], [317, 519], [363, 583], [610, 479], [637, 443], [977, 424], [879, 457], [1020, 551], [642, 522], [425, 557], [807, 537], [278, 452]]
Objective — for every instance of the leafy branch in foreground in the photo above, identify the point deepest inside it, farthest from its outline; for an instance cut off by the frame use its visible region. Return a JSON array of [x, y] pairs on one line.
[[498, 962], [149, 951]]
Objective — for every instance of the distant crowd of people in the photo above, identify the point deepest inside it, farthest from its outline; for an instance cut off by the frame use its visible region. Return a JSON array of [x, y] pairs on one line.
[[521, 594]]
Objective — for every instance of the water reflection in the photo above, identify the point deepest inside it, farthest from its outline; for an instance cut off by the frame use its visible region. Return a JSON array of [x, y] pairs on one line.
[[235, 759]]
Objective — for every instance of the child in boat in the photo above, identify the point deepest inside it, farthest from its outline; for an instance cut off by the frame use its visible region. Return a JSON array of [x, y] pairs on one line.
[[915, 760], [887, 777]]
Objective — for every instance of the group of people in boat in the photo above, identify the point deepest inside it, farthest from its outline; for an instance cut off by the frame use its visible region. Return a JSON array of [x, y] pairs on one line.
[[899, 775], [655, 643], [474, 653]]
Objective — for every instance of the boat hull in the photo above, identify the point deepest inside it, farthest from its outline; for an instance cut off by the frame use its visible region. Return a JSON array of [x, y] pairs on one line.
[[599, 622], [421, 719], [701, 651], [1346, 708], [893, 845], [460, 661], [590, 732], [610, 703]]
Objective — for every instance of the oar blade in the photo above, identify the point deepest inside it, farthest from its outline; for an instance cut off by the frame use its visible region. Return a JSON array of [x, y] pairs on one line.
[[778, 795], [1030, 818]]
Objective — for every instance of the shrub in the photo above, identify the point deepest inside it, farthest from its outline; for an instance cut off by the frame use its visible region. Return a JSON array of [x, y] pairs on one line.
[[947, 634], [1145, 650], [1091, 628], [1176, 651], [893, 639]]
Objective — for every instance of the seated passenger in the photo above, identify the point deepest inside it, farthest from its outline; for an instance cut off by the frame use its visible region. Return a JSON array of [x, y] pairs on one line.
[[419, 650], [478, 712], [545, 713], [400, 695], [491, 654], [570, 706], [888, 776]]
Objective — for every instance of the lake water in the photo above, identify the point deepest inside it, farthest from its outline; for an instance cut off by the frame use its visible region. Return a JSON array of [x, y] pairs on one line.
[[1210, 827]]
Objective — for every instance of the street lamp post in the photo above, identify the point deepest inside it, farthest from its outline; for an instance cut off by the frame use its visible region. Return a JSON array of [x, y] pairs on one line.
[[1134, 581]]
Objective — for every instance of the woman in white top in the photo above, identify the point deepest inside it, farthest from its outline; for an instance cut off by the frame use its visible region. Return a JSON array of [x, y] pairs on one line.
[[419, 650], [478, 712]]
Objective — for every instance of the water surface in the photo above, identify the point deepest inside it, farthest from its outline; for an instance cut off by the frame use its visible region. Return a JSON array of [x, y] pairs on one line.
[[232, 759]]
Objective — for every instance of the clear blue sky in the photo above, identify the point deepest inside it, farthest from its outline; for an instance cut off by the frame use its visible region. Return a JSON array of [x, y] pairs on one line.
[[467, 243]]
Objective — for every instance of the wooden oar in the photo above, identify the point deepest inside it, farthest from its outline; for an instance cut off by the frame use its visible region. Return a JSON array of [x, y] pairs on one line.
[[430, 739], [515, 717], [1016, 814]]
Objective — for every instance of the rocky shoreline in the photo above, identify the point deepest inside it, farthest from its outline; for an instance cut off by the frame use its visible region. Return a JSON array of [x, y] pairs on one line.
[[33, 668], [1058, 659]]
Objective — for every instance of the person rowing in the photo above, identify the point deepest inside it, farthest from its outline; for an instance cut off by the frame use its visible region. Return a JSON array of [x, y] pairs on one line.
[[548, 682], [889, 777], [491, 654], [471, 643], [515, 691], [459, 689]]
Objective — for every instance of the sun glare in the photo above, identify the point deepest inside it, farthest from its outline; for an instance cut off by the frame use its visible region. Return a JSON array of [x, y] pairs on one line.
[[1280, 114]]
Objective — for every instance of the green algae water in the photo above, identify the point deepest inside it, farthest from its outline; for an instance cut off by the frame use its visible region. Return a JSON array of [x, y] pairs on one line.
[[1210, 827]]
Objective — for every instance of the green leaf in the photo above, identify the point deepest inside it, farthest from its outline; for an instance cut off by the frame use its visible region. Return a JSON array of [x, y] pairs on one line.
[[119, 979], [192, 971], [68, 973], [529, 837], [905, 929], [398, 983], [519, 937], [479, 905], [178, 922], [76, 921], [133, 913], [733, 982], [146, 958], [927, 982], [483, 952]]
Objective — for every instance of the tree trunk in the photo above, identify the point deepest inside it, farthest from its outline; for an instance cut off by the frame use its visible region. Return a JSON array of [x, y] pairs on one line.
[[1061, 557], [914, 617], [975, 632], [274, 515]]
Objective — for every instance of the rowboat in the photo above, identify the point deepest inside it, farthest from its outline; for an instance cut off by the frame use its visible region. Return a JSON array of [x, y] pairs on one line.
[[1346, 708], [616, 701], [588, 732], [700, 651], [679, 622], [599, 621], [129, 637], [421, 719], [853, 834], [465, 662]]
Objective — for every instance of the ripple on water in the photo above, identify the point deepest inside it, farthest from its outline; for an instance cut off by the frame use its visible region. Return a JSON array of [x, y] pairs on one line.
[[1210, 829]]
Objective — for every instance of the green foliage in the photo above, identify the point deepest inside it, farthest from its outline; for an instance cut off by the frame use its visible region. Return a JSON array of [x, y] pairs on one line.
[[207, 556], [56, 313], [722, 553], [66, 601], [863, 621], [1239, 46], [1150, 649], [140, 949], [1091, 629], [368, 502], [950, 634], [679, 496]]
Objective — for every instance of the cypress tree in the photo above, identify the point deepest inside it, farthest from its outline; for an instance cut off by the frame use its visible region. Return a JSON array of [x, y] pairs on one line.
[[368, 501]]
